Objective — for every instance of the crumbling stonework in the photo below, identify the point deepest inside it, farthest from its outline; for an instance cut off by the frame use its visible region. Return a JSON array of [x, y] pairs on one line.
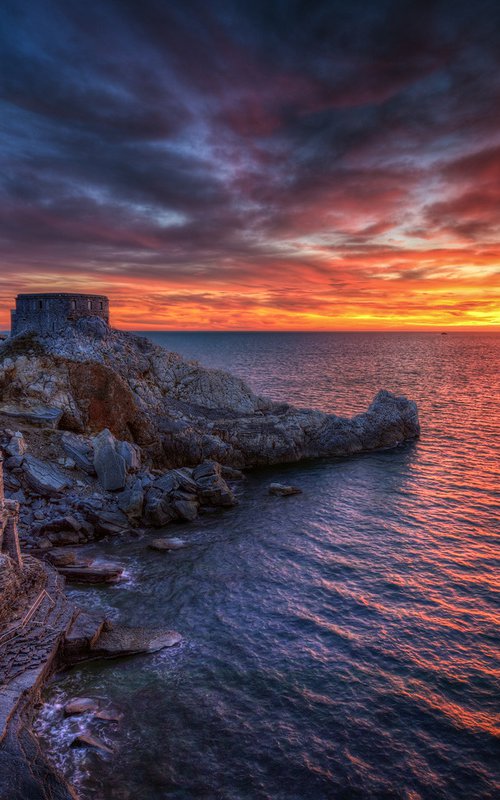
[[50, 313]]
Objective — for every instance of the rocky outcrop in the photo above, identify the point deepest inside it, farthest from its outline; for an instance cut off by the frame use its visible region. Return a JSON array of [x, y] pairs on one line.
[[178, 412], [42, 630]]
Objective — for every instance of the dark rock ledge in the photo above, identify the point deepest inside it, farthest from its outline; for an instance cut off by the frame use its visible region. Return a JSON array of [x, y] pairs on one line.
[[41, 631]]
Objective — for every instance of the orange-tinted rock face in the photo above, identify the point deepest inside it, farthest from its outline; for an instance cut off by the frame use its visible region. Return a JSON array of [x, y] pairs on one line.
[[106, 401]]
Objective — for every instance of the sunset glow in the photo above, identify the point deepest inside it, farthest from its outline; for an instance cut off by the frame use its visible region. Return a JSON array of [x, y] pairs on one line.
[[319, 171]]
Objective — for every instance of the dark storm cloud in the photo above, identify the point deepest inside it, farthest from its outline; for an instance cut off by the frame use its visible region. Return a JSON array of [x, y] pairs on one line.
[[189, 139]]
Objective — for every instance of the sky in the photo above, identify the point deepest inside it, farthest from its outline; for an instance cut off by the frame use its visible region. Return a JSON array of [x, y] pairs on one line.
[[263, 164]]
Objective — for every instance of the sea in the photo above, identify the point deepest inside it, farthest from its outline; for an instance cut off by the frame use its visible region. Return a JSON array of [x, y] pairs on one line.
[[341, 643]]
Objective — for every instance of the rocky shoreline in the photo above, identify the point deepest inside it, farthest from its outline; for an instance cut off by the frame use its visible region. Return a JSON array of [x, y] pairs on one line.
[[104, 433]]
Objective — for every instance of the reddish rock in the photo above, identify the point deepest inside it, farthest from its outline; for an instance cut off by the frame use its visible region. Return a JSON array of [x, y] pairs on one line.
[[106, 401]]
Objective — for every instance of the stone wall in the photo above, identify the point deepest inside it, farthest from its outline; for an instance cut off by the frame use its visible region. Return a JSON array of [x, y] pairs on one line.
[[50, 313]]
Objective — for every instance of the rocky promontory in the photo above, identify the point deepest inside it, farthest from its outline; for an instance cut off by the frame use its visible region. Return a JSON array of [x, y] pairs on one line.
[[92, 377], [105, 431]]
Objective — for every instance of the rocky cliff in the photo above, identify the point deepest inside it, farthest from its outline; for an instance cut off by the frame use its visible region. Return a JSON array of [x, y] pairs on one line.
[[94, 377]]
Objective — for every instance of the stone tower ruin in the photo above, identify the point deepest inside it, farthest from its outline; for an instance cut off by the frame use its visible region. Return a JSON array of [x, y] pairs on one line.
[[52, 312]]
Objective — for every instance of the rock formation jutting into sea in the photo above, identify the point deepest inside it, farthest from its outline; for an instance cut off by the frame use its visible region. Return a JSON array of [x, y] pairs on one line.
[[103, 432]]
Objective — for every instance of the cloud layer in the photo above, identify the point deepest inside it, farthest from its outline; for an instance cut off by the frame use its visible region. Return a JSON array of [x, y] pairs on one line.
[[258, 164]]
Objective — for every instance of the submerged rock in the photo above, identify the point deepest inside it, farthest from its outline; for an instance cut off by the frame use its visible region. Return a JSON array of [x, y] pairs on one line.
[[168, 544], [80, 705], [282, 490], [91, 573], [120, 641], [88, 740], [109, 715]]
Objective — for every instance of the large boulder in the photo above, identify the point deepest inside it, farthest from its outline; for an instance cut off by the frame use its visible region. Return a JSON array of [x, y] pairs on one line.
[[212, 488], [109, 463], [44, 478], [131, 501]]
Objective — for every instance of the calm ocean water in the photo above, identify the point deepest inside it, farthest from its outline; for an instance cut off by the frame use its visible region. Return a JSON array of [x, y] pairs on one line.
[[342, 643]]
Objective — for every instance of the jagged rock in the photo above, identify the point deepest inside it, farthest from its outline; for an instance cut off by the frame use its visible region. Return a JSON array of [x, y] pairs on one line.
[[17, 446], [206, 469], [213, 490], [282, 490], [80, 451], [82, 636], [42, 416], [110, 523], [158, 510], [132, 455], [80, 705], [186, 509], [109, 464], [43, 478], [131, 501], [173, 543], [86, 740], [167, 483]]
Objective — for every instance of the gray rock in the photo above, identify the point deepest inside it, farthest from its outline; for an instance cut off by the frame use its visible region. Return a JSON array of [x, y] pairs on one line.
[[86, 740], [131, 454], [109, 464], [186, 509], [61, 557], [17, 445], [109, 715], [80, 705], [91, 573], [110, 523], [131, 501], [206, 469], [167, 482], [183, 413], [80, 451], [282, 490], [158, 510], [67, 463], [173, 543], [213, 490], [43, 478], [42, 416]]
